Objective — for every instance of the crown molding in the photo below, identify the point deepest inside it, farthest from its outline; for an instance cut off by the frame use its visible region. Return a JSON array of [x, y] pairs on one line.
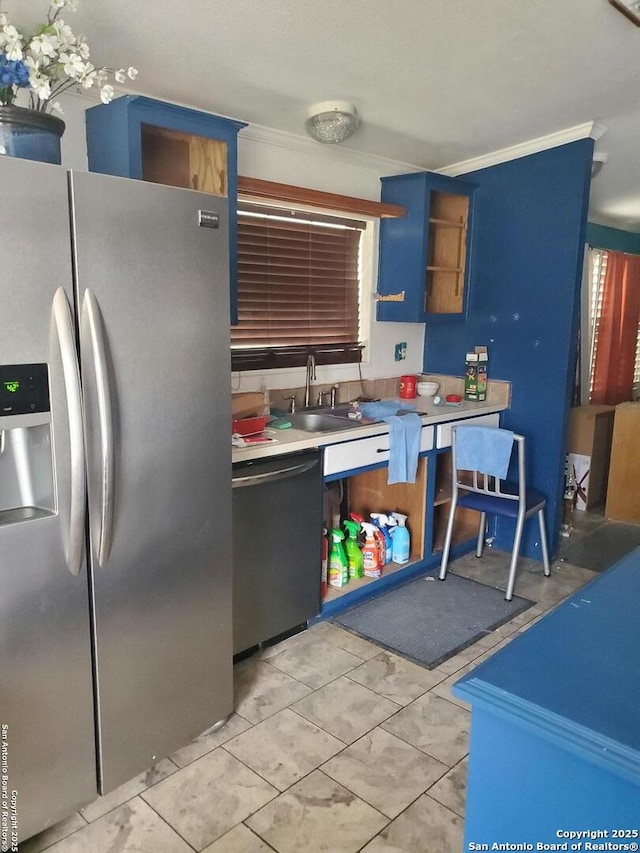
[[386, 165], [302, 144], [588, 130]]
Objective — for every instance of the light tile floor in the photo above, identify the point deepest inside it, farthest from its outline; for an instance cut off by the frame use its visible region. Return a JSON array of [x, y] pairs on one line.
[[336, 745]]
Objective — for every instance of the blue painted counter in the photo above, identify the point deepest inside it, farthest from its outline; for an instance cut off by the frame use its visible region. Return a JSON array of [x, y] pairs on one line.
[[555, 726]]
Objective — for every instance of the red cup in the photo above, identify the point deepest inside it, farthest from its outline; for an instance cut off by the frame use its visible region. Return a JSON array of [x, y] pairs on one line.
[[408, 387]]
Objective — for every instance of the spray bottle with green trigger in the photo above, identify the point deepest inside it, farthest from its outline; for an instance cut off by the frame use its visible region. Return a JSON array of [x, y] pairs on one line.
[[352, 549], [338, 567]]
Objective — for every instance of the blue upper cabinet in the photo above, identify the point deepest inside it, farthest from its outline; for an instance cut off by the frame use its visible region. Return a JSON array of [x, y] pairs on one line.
[[425, 256], [137, 137]]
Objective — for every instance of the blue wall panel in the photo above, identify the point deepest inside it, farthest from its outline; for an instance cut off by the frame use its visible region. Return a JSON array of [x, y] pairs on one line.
[[527, 253]]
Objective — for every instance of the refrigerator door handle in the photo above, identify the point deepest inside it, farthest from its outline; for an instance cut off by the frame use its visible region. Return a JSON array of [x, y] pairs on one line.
[[91, 311], [70, 370]]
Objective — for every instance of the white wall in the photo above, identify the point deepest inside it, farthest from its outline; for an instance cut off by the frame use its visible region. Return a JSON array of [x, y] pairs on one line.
[[274, 156]]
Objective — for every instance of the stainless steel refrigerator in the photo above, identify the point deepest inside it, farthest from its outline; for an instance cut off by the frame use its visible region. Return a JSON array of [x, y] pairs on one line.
[[115, 481]]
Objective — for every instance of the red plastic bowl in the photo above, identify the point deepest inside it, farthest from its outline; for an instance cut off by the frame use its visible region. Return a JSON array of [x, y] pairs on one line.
[[249, 426]]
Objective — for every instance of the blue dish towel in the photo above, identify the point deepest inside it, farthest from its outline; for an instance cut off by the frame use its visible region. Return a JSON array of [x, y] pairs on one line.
[[404, 447], [384, 409], [485, 449]]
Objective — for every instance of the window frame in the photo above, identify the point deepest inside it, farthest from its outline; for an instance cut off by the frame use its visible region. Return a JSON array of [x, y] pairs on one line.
[[267, 358]]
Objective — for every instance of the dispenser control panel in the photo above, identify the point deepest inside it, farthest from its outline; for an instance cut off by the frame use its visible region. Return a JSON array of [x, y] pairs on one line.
[[24, 389]]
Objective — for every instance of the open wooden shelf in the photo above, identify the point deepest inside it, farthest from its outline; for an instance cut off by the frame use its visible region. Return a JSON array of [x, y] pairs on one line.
[[467, 520], [446, 261], [184, 160], [446, 223]]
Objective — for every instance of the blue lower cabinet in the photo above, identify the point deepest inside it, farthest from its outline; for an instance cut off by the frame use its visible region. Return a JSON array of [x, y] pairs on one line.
[[555, 727], [425, 256], [145, 139]]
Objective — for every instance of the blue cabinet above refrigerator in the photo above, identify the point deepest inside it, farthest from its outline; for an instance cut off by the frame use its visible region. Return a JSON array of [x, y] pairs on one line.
[[424, 264], [145, 139]]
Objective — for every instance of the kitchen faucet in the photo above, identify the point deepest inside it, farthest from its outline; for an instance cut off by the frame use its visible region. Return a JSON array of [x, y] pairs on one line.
[[311, 375]]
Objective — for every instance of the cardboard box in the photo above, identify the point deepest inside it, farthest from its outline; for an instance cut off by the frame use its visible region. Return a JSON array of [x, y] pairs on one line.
[[475, 376], [590, 432], [579, 469]]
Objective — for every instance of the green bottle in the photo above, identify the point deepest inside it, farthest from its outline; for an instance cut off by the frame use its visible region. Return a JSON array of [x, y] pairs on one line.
[[354, 554], [338, 567]]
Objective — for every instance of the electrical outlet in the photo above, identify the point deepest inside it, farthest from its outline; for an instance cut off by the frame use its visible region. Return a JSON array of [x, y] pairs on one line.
[[401, 352]]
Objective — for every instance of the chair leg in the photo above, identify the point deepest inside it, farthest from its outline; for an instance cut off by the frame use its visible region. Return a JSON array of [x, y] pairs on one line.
[[514, 557], [543, 544], [481, 531], [447, 538]]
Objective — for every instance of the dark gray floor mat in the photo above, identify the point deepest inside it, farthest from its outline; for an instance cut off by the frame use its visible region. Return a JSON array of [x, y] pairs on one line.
[[428, 620]]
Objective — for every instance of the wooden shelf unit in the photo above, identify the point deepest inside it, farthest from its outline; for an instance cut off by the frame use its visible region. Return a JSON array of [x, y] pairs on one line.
[[467, 520], [184, 160], [447, 248], [369, 492]]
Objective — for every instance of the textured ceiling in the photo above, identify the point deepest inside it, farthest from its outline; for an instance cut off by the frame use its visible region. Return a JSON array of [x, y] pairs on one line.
[[434, 81]]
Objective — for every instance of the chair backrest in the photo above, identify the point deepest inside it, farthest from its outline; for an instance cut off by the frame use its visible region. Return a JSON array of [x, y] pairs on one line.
[[478, 479]]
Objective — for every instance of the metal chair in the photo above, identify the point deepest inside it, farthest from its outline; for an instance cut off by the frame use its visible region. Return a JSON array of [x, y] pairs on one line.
[[486, 493]]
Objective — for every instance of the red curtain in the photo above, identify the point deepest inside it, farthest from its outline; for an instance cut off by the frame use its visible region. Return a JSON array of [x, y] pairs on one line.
[[618, 330]]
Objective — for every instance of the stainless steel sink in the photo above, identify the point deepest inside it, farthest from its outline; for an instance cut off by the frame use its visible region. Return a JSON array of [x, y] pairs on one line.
[[321, 422]]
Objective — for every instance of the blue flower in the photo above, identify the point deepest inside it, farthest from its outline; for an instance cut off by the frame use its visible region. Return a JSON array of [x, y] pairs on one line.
[[13, 72]]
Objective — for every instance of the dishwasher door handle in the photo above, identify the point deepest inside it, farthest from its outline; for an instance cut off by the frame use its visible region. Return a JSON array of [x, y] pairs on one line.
[[272, 476]]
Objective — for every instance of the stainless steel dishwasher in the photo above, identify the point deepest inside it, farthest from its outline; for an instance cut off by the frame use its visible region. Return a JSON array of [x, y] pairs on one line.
[[277, 539]]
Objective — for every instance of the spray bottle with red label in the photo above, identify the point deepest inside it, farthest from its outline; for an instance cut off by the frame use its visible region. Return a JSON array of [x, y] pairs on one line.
[[371, 552], [381, 522]]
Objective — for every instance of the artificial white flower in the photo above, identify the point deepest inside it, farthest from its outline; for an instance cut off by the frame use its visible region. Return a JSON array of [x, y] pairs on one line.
[[57, 4], [106, 94], [83, 48], [120, 75], [11, 42], [3, 19], [72, 65], [41, 86], [44, 45], [56, 108], [132, 72], [64, 33]]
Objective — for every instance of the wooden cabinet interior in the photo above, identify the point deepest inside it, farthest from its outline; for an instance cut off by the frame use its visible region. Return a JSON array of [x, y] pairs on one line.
[[184, 160], [446, 262], [466, 521], [369, 492]]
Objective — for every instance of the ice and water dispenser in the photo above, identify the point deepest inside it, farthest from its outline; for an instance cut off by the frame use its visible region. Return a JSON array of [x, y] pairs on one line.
[[26, 462]]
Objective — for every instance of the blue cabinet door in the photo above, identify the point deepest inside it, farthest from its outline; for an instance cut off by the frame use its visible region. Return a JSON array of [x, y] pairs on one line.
[[408, 268], [114, 147]]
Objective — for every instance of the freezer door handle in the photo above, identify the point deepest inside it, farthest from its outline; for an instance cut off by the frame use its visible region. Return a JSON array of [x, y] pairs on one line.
[[269, 476], [70, 370], [91, 311]]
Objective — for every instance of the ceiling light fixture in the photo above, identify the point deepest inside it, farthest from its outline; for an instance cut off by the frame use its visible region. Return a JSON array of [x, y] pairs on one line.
[[599, 159], [629, 8], [331, 121]]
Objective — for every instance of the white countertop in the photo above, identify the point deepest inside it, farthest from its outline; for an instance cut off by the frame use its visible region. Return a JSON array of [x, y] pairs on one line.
[[292, 440]]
